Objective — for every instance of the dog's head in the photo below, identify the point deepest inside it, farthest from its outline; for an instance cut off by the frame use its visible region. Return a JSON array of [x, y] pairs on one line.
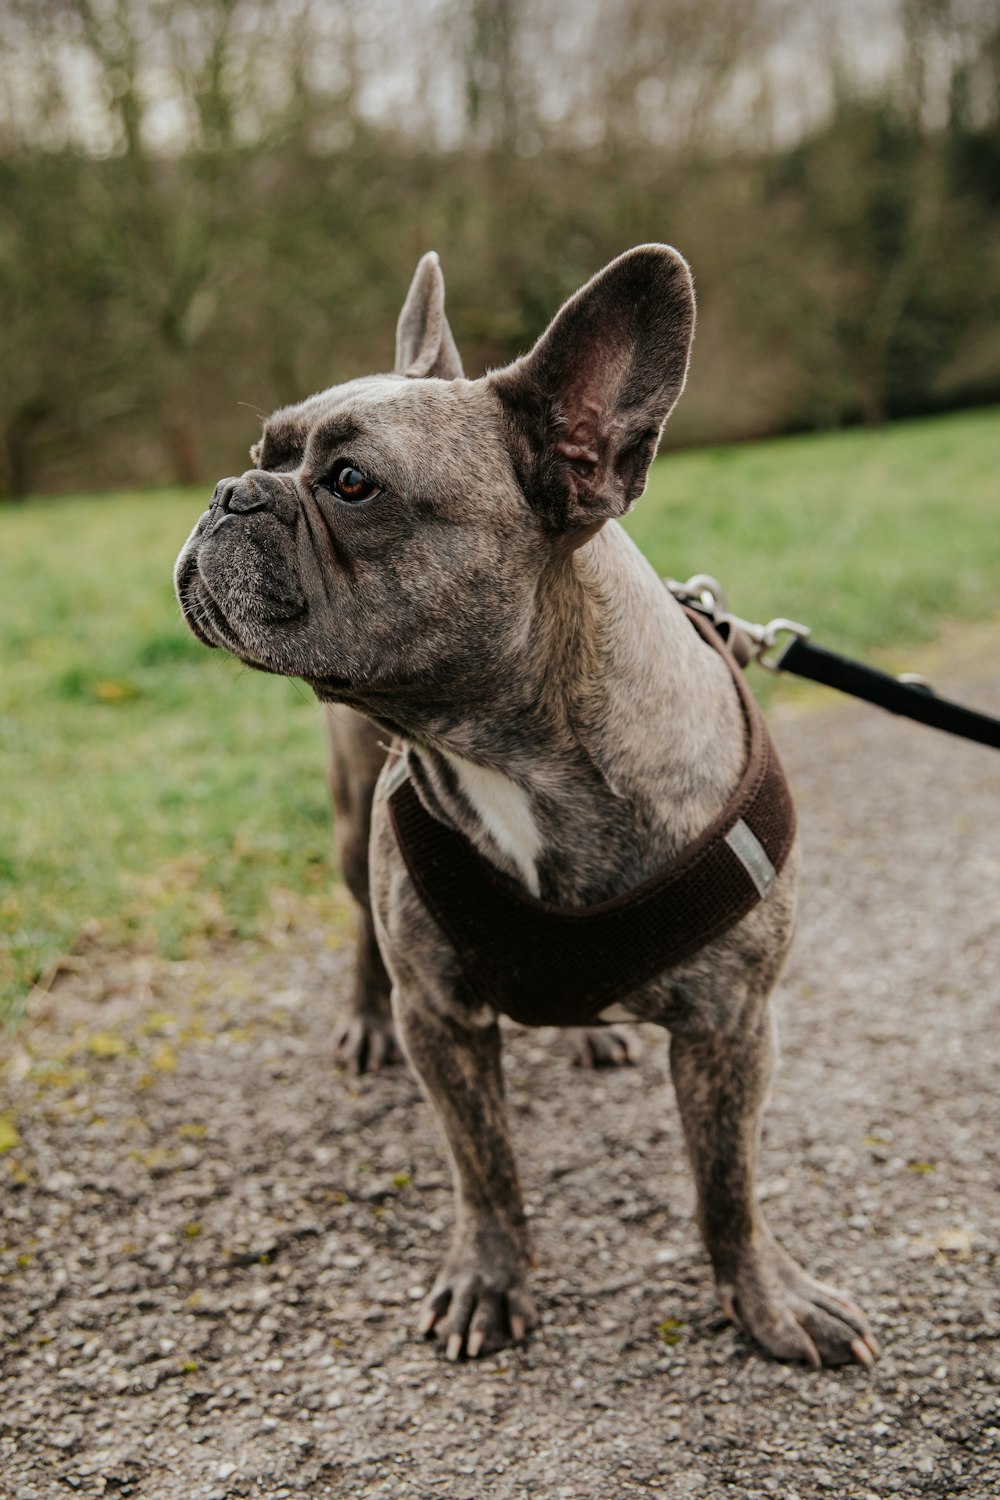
[[393, 532]]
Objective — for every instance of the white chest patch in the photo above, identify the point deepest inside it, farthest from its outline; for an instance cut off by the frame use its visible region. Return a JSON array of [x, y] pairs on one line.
[[504, 809]]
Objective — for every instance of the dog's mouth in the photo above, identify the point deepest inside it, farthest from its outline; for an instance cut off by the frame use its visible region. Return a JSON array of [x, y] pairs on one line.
[[234, 598], [202, 614]]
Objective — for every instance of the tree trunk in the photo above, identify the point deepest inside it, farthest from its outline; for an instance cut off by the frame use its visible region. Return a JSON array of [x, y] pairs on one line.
[[20, 466]]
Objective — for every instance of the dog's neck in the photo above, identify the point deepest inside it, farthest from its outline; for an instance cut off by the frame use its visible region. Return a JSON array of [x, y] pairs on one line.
[[615, 739]]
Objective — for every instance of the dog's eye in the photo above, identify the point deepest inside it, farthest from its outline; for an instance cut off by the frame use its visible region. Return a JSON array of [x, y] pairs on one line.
[[350, 485]]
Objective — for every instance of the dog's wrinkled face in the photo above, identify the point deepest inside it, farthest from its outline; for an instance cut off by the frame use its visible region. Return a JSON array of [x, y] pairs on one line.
[[381, 538], [394, 530]]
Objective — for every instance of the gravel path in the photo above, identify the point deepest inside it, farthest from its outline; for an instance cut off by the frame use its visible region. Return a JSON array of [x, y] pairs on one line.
[[214, 1244]]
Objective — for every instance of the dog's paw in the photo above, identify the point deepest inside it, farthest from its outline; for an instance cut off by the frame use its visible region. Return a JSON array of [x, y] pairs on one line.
[[601, 1046], [475, 1308], [795, 1317], [366, 1043]]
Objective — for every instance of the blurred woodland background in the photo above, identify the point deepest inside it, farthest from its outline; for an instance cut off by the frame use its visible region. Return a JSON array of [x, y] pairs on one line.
[[214, 205]]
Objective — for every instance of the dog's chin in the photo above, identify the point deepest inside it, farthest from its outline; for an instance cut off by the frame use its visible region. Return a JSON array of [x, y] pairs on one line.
[[335, 690]]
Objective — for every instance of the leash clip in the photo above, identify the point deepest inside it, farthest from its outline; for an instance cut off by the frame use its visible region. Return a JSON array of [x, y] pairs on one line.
[[909, 694], [772, 632], [706, 593]]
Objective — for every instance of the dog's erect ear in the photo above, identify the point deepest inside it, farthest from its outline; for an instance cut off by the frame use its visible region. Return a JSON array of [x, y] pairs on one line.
[[587, 403], [424, 345]]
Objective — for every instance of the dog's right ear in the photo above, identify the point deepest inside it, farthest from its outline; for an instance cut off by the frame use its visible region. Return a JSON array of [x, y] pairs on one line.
[[585, 406], [424, 343]]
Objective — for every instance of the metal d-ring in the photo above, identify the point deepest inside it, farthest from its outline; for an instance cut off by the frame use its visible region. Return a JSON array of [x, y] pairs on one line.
[[703, 589]]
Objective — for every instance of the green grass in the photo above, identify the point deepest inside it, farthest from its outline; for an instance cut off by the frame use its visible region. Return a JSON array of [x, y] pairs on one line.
[[871, 537], [164, 794], [150, 786]]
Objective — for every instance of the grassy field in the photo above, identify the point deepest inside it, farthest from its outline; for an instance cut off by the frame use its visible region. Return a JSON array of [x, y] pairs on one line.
[[155, 793], [873, 538]]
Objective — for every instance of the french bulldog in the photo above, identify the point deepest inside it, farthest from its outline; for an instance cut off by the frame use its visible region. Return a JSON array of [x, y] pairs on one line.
[[443, 556]]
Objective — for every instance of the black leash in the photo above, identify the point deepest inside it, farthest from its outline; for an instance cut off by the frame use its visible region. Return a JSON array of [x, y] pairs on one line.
[[913, 700], [909, 696]]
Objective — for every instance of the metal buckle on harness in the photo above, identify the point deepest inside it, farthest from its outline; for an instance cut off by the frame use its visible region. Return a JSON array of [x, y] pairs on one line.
[[706, 593]]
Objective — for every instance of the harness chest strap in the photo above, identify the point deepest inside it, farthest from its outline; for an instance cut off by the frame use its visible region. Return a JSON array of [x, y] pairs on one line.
[[547, 965]]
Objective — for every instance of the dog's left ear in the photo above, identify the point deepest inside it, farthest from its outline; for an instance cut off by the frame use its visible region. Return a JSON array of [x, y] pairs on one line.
[[424, 343], [587, 404]]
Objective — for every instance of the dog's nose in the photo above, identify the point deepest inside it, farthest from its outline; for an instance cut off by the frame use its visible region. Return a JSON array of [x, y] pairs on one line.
[[240, 495], [258, 489]]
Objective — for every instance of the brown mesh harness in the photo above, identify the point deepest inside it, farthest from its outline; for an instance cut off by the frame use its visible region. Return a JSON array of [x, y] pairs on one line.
[[547, 965]]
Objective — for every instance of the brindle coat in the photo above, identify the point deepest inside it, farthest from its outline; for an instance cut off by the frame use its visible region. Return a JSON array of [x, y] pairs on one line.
[[482, 604]]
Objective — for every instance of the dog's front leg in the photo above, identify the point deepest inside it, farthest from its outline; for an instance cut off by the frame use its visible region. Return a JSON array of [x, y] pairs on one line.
[[721, 1081], [481, 1298], [364, 1039]]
